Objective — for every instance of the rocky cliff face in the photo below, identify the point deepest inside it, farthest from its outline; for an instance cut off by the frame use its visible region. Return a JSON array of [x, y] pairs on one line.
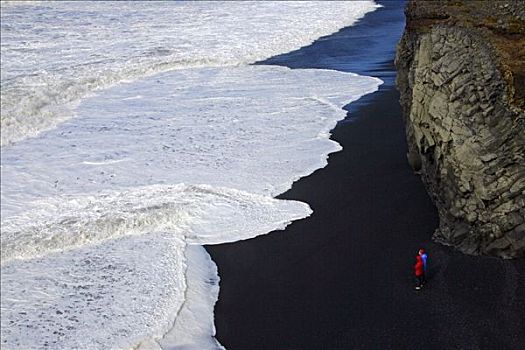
[[461, 76]]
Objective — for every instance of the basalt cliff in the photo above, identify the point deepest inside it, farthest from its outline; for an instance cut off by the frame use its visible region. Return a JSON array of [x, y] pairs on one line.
[[461, 77]]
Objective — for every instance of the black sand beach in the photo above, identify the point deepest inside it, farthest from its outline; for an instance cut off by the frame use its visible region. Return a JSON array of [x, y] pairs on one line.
[[342, 278]]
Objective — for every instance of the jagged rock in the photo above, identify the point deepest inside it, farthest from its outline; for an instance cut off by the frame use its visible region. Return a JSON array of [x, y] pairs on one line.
[[461, 77]]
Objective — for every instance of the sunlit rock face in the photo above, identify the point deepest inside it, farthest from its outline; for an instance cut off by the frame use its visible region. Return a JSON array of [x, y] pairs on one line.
[[461, 78]]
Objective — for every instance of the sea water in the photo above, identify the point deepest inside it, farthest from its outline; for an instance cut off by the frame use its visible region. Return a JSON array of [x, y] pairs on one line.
[[134, 133]]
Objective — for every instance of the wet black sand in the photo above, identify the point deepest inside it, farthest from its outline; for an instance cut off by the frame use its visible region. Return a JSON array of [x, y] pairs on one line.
[[342, 278]]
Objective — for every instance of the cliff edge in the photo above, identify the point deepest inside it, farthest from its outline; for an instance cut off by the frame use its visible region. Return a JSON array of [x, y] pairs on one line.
[[461, 77]]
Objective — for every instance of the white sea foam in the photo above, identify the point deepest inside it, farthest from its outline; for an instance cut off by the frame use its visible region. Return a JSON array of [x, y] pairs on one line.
[[54, 53], [103, 216], [253, 128], [202, 214], [95, 297], [110, 271], [194, 327], [196, 159]]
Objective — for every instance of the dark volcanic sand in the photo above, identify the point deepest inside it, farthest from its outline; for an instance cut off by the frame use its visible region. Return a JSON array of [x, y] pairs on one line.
[[342, 278]]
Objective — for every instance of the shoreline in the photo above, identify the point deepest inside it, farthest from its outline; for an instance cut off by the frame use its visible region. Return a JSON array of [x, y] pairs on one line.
[[342, 278]]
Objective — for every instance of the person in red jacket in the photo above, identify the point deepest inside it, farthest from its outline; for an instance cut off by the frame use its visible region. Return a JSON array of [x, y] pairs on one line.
[[419, 271], [424, 257]]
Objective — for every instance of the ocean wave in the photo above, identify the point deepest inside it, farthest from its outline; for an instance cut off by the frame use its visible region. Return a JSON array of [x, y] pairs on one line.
[[95, 297], [103, 216], [131, 183], [54, 54], [202, 214], [118, 260]]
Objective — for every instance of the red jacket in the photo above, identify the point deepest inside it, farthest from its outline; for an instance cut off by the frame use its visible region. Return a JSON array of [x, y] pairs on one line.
[[418, 267]]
